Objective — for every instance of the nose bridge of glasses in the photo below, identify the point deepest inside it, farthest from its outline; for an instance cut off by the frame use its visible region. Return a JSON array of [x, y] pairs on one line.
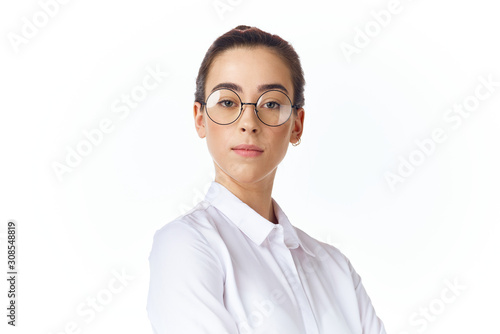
[[243, 104], [253, 104], [252, 114]]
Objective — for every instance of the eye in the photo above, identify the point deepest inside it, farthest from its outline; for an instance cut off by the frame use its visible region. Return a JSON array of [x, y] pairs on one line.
[[227, 103], [271, 105]]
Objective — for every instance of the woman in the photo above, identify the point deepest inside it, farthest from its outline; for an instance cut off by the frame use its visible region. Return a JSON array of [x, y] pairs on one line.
[[235, 263]]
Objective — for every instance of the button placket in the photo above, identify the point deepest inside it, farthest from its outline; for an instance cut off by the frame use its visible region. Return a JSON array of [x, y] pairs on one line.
[[285, 261]]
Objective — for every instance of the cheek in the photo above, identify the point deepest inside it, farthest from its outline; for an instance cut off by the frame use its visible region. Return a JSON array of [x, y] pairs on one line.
[[217, 139], [281, 140], [284, 136]]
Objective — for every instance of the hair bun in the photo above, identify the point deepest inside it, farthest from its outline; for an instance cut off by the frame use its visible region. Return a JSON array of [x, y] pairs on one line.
[[242, 27]]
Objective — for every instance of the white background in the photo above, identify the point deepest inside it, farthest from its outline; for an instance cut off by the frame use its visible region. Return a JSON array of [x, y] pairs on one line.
[[439, 225]]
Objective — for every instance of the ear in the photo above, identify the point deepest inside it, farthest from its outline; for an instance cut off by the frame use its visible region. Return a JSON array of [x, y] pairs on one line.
[[199, 119], [298, 126]]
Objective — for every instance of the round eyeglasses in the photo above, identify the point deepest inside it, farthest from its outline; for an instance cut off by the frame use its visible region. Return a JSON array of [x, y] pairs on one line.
[[273, 107]]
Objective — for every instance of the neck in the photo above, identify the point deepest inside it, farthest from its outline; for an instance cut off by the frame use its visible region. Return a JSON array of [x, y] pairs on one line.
[[256, 195]]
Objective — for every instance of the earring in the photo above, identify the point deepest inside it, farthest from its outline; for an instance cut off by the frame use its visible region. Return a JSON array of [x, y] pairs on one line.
[[297, 143]]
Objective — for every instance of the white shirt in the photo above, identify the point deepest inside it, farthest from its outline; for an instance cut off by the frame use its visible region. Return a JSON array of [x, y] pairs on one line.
[[223, 268]]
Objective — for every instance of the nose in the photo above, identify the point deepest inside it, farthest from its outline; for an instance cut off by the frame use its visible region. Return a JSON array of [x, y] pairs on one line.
[[248, 118]]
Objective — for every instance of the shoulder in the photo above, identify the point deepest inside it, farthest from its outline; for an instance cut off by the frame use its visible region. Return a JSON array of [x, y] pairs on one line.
[[316, 244], [192, 234], [182, 246], [188, 225], [330, 258], [183, 232], [324, 251]]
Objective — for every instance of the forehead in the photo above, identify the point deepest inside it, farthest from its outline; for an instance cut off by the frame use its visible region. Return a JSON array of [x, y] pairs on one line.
[[249, 68]]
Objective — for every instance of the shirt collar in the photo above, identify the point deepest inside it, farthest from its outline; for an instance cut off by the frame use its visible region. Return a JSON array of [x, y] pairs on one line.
[[252, 224]]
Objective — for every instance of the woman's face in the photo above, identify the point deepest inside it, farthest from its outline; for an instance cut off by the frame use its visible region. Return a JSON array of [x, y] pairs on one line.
[[249, 69]]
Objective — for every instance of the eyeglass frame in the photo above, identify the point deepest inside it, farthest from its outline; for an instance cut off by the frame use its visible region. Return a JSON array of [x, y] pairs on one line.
[[293, 106]]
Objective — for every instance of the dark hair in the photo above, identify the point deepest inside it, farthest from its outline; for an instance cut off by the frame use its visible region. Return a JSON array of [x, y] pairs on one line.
[[251, 37]]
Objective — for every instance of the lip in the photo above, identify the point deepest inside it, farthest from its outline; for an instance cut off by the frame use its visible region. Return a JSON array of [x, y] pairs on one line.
[[248, 150]]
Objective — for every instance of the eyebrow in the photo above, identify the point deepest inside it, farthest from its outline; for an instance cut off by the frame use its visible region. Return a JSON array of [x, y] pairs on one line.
[[260, 88]]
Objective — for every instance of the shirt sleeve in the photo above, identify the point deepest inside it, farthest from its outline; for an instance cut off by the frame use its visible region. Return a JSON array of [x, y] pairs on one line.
[[370, 322], [186, 284]]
